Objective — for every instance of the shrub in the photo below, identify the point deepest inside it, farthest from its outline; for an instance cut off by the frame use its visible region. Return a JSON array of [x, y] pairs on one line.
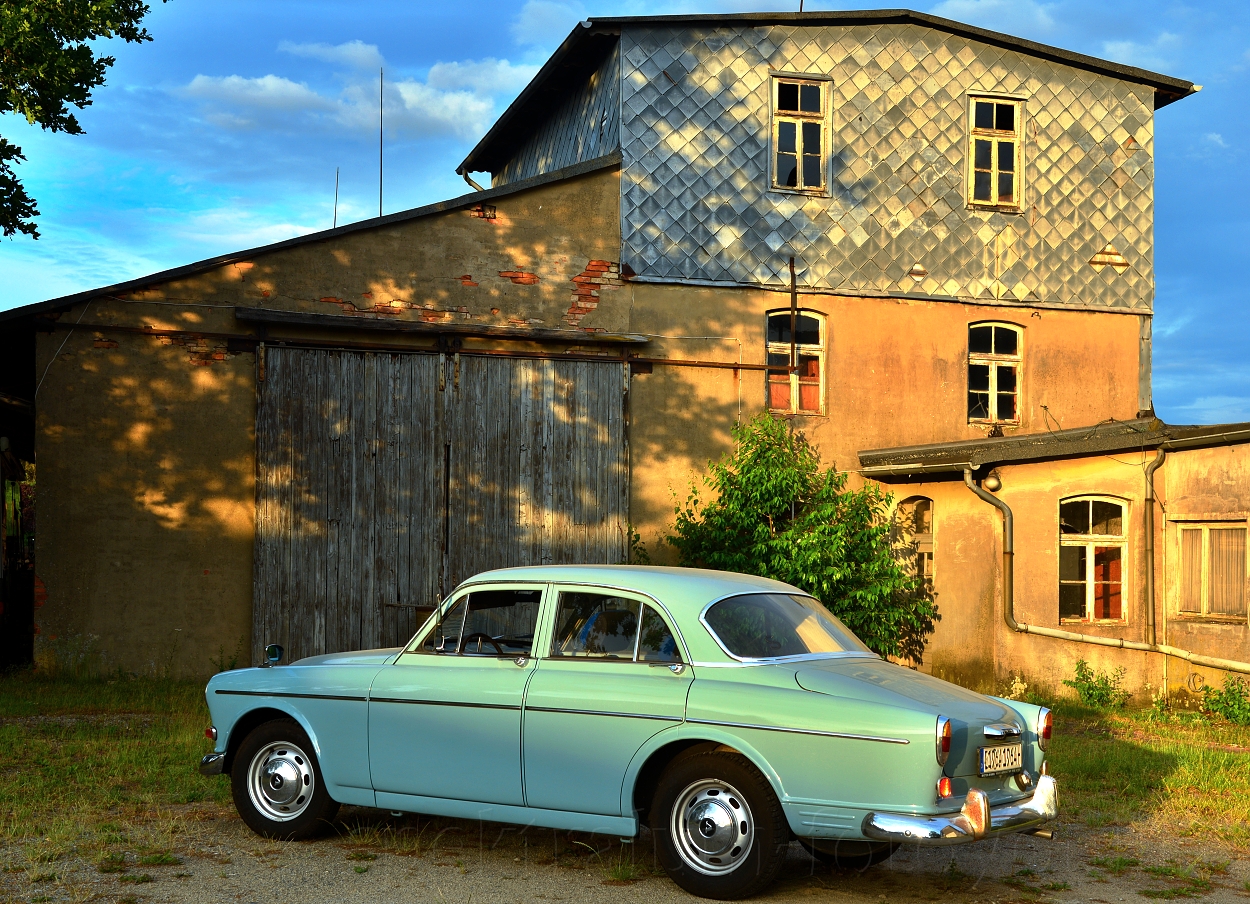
[[1232, 702], [775, 512], [1098, 689]]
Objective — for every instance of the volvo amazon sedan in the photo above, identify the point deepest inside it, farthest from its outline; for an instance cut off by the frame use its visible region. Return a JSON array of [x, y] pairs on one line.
[[729, 713]]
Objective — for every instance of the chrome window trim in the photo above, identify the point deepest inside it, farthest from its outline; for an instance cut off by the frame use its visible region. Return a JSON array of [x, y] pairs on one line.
[[798, 657], [802, 731], [668, 616], [413, 647]]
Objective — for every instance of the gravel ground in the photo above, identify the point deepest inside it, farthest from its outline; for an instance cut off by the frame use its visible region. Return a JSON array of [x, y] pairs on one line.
[[217, 859]]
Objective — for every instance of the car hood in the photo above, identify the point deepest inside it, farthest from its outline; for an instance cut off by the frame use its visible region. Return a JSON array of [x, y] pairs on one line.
[[893, 685], [357, 657]]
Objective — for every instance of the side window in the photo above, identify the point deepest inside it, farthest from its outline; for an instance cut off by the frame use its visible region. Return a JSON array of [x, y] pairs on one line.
[[1092, 545], [656, 643], [596, 625], [914, 520], [994, 358], [487, 623], [799, 134], [803, 391], [1213, 570], [994, 133]]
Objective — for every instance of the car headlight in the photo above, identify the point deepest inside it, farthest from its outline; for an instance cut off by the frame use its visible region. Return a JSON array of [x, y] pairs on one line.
[[943, 740], [1045, 724]]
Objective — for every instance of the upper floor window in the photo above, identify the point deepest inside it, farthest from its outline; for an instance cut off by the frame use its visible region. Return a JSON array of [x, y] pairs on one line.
[[994, 152], [799, 134], [994, 373], [1213, 570], [915, 525], [1092, 547], [801, 391]]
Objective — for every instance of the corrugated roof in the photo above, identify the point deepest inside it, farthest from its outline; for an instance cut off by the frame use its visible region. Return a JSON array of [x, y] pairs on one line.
[[1099, 439], [590, 40], [390, 219]]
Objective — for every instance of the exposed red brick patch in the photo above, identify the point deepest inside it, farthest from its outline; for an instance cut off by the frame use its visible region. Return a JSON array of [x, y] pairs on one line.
[[41, 592], [466, 280], [587, 285], [199, 352], [105, 343], [330, 299], [520, 277]]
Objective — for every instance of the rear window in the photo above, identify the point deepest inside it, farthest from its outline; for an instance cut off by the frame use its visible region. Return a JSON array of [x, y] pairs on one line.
[[768, 625]]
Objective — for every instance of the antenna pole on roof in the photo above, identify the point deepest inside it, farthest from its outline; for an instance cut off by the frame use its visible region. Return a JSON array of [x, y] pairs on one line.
[[800, 5], [380, 78], [336, 198]]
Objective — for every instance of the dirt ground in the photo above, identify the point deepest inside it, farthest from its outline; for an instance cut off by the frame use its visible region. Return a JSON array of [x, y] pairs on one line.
[[215, 858]]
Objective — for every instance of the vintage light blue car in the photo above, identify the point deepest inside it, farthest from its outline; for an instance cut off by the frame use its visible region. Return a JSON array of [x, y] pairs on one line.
[[731, 713]]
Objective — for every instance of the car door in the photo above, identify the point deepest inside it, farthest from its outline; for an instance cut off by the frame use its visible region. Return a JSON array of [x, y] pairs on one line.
[[445, 719], [603, 688]]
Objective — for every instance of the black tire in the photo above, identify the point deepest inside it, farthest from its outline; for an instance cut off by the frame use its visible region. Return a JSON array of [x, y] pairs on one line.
[[851, 856], [277, 784], [739, 857]]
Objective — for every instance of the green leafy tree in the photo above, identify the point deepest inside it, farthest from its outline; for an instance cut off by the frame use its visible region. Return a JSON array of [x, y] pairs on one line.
[[47, 65], [775, 512]]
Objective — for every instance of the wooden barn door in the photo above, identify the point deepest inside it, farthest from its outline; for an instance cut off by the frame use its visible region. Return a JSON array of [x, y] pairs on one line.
[[383, 480]]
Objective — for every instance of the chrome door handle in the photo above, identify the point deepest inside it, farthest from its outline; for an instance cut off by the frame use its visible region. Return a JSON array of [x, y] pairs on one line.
[[522, 661], [677, 668]]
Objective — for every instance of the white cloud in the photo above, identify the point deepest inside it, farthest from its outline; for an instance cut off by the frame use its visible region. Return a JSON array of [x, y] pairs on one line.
[[1015, 17], [1155, 55], [1216, 139], [269, 91], [1170, 326], [1216, 410], [488, 76], [352, 53], [546, 22]]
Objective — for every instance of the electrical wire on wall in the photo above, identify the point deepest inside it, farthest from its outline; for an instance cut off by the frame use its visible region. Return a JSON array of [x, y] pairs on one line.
[[60, 347]]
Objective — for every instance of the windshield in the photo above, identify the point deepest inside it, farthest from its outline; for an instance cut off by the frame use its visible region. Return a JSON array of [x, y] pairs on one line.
[[769, 625]]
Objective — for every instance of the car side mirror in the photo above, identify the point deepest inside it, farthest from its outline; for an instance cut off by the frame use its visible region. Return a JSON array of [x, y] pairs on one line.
[[273, 654]]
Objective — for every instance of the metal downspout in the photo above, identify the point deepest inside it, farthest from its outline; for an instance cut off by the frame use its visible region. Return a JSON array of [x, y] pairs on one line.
[[1150, 544], [1227, 665]]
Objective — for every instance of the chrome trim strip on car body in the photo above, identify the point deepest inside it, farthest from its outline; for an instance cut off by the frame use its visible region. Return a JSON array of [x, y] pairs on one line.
[[598, 712], [291, 695], [1001, 731], [798, 657], [512, 706], [803, 731], [965, 826]]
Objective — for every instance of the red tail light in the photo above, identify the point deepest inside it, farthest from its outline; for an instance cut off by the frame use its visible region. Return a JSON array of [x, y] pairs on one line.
[[943, 739], [1045, 724], [944, 789], [210, 733]]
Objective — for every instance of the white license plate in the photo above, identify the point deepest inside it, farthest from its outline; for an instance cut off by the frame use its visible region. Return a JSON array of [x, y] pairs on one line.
[[1004, 758]]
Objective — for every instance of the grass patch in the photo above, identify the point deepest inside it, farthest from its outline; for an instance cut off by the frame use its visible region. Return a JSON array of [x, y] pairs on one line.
[[1116, 866], [1117, 767]]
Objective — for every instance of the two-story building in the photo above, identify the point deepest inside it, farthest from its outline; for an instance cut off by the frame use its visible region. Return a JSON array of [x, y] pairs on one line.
[[928, 244]]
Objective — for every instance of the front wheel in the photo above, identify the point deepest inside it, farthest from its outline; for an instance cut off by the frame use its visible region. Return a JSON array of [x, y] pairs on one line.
[[719, 829], [277, 783]]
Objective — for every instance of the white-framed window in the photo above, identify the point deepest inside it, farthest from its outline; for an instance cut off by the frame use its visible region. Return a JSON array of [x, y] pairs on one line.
[[801, 391], [1212, 570], [1092, 550], [799, 136], [995, 127], [914, 518], [994, 357]]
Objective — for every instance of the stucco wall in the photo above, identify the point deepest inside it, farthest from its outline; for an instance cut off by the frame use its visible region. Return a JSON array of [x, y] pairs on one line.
[[145, 443]]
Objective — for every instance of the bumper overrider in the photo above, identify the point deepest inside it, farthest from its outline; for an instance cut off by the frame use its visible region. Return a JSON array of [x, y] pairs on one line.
[[212, 764], [972, 823]]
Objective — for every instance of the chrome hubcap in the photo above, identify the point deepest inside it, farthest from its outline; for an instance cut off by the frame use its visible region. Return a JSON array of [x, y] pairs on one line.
[[280, 781], [712, 827]]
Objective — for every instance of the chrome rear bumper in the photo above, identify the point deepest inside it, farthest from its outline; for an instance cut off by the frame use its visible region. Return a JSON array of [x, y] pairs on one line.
[[975, 821], [212, 764]]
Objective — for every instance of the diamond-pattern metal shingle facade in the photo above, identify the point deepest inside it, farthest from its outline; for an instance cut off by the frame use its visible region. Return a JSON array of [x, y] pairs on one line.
[[695, 201]]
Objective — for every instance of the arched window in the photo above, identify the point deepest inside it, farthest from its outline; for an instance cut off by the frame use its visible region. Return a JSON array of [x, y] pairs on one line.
[[994, 357], [914, 519], [803, 391], [1092, 544]]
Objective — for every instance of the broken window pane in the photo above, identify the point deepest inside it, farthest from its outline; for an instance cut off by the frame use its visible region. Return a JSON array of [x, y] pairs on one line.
[[978, 377], [787, 96], [1006, 341], [979, 405], [1107, 581], [984, 115], [983, 151], [1228, 571], [1108, 518], [1072, 600], [810, 99], [787, 170], [1006, 156], [1191, 570], [1074, 517], [1006, 119], [1006, 188], [980, 341]]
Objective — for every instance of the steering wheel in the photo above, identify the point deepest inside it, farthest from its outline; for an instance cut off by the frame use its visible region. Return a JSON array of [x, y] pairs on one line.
[[479, 637]]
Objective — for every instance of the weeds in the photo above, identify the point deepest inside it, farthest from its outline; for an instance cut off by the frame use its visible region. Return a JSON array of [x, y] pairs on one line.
[[1116, 866], [1101, 690], [1232, 702]]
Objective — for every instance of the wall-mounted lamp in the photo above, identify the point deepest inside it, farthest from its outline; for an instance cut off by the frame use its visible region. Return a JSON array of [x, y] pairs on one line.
[[992, 483]]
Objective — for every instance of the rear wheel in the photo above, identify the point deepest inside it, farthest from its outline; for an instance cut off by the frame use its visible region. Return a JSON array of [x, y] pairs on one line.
[[277, 785], [855, 856], [719, 830]]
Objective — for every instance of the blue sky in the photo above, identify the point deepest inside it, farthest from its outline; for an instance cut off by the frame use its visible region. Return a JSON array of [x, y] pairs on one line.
[[224, 133]]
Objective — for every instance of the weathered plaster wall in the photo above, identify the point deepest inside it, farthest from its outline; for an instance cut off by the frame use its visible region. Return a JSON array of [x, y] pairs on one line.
[[145, 443]]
